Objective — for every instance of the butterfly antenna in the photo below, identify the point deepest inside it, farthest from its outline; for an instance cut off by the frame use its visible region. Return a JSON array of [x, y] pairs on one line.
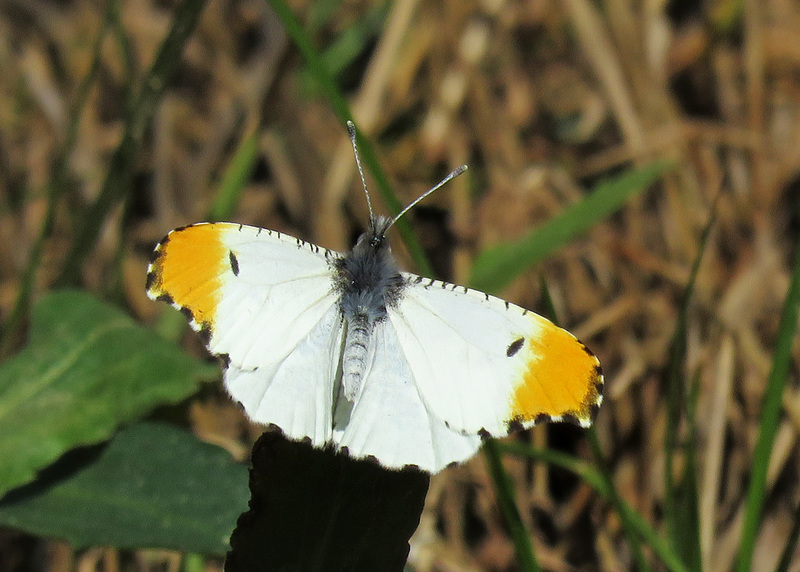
[[351, 131], [453, 174]]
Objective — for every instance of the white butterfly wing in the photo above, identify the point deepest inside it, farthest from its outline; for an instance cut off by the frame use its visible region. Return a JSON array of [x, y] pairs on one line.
[[265, 302], [389, 420], [448, 367], [296, 392], [486, 366]]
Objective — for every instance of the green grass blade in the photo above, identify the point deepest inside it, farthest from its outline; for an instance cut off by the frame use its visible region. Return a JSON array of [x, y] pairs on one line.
[[595, 479], [770, 418], [127, 52], [11, 332], [791, 544], [350, 44], [604, 474], [320, 13], [629, 523], [171, 324], [548, 306], [683, 526], [497, 267], [687, 506], [117, 182], [508, 506], [229, 191], [338, 103]]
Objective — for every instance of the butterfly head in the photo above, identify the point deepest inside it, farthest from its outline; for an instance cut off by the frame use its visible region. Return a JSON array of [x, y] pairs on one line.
[[367, 276], [376, 234]]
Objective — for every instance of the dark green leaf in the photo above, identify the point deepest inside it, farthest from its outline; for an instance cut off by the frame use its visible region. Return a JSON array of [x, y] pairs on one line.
[[153, 486], [87, 368]]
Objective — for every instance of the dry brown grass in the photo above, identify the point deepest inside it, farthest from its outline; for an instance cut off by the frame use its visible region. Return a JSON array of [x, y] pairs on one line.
[[540, 98]]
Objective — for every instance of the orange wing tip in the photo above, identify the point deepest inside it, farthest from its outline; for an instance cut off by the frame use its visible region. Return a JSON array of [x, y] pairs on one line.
[[562, 382], [186, 271]]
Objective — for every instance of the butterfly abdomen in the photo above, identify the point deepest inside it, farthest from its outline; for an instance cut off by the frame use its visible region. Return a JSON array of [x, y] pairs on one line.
[[368, 281], [355, 353]]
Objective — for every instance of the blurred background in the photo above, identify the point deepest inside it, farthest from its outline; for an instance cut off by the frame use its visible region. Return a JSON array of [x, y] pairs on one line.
[[543, 99]]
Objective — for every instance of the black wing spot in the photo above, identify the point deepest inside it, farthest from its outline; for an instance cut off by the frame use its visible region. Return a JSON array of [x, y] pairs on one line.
[[234, 262], [514, 347]]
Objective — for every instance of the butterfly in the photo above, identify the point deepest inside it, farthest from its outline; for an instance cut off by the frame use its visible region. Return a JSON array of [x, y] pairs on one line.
[[345, 350]]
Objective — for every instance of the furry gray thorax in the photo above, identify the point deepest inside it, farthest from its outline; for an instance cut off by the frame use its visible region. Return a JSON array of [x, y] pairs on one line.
[[368, 277]]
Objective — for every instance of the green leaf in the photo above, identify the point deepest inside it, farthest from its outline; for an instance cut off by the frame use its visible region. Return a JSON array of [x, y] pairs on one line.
[[87, 369], [496, 267], [153, 486]]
